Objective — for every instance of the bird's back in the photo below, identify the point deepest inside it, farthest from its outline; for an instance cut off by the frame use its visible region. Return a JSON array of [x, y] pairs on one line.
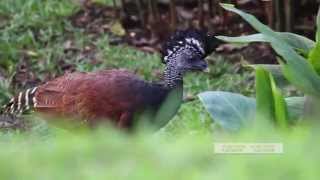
[[108, 94]]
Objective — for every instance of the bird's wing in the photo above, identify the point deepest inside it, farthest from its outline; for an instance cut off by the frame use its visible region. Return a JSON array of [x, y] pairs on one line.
[[60, 92]]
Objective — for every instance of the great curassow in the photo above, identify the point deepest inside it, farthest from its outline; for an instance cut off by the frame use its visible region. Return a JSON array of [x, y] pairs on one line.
[[119, 95]]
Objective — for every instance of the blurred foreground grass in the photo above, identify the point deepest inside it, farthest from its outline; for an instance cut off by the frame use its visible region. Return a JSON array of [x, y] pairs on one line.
[[109, 154]]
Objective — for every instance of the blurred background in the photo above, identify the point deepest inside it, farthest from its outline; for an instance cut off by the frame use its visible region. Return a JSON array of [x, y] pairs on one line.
[[147, 21]]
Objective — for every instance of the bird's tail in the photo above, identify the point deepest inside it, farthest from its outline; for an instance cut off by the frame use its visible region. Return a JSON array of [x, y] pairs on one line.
[[21, 103], [9, 114]]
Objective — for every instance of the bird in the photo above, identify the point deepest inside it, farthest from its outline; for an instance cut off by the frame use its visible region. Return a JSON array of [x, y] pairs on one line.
[[117, 95]]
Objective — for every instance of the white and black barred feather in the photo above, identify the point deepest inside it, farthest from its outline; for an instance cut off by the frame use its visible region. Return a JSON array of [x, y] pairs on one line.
[[11, 112], [21, 103], [194, 40]]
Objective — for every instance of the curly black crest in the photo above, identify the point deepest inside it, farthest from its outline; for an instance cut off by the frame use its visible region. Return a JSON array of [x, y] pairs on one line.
[[194, 40]]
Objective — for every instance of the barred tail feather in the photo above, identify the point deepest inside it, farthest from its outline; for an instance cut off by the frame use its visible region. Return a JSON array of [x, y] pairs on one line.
[[21, 103]]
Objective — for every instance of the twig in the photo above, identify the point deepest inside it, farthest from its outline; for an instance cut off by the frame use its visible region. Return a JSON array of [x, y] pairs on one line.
[[141, 13], [173, 15], [201, 14], [210, 5]]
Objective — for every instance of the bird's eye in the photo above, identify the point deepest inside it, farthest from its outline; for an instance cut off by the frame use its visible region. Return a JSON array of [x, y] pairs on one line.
[[192, 59]]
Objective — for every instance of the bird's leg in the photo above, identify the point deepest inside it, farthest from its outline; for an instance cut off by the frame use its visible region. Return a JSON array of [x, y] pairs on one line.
[[125, 121]]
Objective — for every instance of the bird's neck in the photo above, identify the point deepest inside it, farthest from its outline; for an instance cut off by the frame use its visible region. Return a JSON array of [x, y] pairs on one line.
[[173, 77]]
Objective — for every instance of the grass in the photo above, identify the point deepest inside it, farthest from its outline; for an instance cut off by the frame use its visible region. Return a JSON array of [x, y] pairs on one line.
[[36, 33], [108, 154]]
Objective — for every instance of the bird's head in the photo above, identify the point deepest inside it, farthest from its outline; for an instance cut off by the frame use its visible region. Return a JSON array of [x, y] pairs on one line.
[[187, 49]]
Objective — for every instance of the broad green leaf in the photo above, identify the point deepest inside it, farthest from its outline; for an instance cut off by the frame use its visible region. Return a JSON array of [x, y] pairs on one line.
[[295, 68], [231, 111], [280, 106], [265, 101], [234, 111], [296, 41]]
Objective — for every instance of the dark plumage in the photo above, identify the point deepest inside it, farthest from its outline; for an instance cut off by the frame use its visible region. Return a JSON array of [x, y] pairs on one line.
[[119, 95]]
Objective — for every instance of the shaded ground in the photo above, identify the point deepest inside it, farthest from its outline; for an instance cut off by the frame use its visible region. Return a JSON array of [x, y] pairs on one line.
[[124, 25]]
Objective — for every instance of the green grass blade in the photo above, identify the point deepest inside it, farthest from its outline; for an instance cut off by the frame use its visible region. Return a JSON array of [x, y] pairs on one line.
[[265, 102], [314, 56], [276, 72], [280, 106]]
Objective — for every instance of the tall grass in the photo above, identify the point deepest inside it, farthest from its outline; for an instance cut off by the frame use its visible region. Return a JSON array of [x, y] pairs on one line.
[[109, 154]]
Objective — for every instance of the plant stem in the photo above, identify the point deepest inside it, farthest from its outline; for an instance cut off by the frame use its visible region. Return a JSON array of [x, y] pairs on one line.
[[173, 15]]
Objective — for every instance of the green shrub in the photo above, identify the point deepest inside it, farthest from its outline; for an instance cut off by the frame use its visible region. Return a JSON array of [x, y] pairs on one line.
[[299, 59]]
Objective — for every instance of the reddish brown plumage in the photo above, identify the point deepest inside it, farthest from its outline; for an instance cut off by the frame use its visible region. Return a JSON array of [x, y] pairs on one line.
[[111, 94]]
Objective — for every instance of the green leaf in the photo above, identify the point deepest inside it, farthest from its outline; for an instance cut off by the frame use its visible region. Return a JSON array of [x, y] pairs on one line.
[[296, 41], [244, 39], [276, 72], [296, 106], [314, 56], [265, 101], [280, 106], [311, 108], [270, 102], [231, 111], [234, 111], [295, 68]]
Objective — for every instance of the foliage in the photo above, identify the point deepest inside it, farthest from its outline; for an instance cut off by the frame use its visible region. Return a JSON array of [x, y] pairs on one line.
[[299, 64], [231, 111], [270, 102]]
